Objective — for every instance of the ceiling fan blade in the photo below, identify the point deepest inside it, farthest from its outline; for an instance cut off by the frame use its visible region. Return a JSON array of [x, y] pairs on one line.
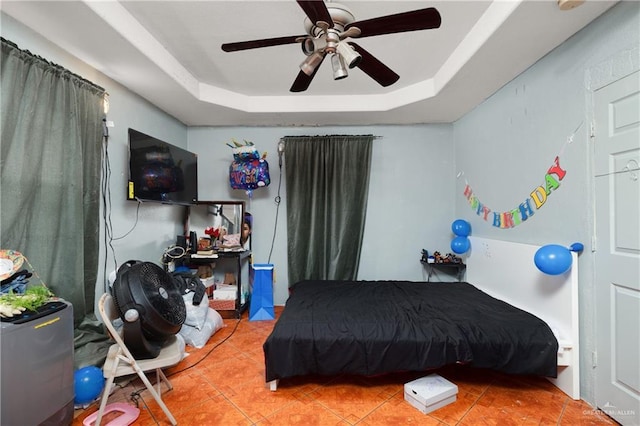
[[302, 81], [375, 69], [316, 10], [266, 42], [423, 19]]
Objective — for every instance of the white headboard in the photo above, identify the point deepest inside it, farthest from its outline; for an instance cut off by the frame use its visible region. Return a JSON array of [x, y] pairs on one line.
[[506, 271]]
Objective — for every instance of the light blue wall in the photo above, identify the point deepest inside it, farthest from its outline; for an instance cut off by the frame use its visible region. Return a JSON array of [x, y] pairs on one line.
[[506, 145], [411, 194]]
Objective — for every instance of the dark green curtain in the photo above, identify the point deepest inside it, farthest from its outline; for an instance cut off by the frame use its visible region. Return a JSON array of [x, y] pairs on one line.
[[327, 180], [51, 156]]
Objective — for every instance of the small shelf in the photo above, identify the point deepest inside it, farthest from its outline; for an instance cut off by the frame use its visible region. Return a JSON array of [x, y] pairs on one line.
[[458, 268], [240, 261]]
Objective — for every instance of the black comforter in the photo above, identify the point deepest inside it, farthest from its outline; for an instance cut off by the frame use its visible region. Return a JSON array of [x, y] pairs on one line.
[[374, 327]]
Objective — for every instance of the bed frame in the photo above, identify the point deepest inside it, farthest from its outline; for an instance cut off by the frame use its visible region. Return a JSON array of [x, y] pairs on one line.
[[493, 266]]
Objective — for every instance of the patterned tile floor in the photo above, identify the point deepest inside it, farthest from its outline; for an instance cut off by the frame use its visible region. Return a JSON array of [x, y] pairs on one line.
[[223, 384]]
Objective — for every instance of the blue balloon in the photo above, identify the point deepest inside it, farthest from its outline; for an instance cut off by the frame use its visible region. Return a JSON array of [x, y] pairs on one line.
[[461, 228], [87, 384], [577, 247], [553, 259], [460, 245]]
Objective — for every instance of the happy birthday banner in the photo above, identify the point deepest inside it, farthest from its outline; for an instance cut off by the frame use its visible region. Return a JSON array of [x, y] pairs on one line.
[[515, 217], [526, 209]]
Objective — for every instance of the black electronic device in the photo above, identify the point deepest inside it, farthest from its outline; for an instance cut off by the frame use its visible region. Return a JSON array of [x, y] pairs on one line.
[[193, 242], [181, 241], [159, 171], [150, 305]]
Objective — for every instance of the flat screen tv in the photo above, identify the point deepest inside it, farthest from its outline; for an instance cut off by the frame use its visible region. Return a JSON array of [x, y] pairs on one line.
[[159, 171]]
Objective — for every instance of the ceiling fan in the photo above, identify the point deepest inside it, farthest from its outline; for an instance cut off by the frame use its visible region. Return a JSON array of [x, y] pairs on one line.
[[328, 27]]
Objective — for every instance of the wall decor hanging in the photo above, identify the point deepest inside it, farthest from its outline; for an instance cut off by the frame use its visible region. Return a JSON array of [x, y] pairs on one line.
[[537, 198], [525, 210], [249, 170]]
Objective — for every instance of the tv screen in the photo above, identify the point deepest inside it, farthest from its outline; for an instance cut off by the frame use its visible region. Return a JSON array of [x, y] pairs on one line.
[[159, 171]]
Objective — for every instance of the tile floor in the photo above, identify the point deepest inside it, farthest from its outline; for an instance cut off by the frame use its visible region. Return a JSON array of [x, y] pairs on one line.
[[223, 384]]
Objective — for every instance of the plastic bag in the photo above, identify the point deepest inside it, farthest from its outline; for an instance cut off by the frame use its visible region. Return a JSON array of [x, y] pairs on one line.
[[198, 338], [196, 314]]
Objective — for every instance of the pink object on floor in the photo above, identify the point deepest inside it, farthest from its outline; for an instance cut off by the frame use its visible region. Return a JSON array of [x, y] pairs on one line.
[[129, 415]]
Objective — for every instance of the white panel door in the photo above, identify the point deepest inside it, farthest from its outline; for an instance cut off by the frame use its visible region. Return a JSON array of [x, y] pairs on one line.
[[617, 258]]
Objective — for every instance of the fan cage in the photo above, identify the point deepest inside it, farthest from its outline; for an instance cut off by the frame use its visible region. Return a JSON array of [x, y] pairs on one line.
[[151, 291]]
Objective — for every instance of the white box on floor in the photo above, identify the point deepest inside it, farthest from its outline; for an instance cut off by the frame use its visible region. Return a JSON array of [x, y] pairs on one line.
[[430, 393]]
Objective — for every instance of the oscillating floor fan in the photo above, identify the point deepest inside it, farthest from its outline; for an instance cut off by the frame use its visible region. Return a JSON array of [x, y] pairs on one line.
[[150, 305]]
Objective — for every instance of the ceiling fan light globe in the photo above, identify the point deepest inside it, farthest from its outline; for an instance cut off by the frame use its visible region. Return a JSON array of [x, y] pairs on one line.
[[339, 69], [307, 46], [318, 44], [309, 65], [349, 55]]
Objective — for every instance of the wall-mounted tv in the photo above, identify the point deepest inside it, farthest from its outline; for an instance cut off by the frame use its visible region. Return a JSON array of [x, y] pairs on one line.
[[159, 171]]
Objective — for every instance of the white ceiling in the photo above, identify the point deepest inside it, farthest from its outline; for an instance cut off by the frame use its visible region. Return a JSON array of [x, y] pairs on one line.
[[169, 53]]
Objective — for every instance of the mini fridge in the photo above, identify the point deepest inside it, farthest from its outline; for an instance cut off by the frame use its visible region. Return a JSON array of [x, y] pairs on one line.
[[36, 360]]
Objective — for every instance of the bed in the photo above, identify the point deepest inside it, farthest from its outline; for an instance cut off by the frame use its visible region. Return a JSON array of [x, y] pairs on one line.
[[377, 327]]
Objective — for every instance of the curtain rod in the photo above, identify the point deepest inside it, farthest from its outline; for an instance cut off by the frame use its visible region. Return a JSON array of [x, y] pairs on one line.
[[309, 136], [58, 68]]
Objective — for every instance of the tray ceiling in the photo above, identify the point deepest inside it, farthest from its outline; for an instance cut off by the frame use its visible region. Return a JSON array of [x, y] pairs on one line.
[[168, 52]]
